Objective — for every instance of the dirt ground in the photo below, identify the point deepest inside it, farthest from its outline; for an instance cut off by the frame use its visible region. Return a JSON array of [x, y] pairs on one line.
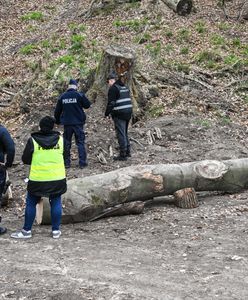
[[164, 253]]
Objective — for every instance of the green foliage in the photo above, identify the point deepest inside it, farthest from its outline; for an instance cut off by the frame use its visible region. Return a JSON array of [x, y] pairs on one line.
[[181, 67], [28, 49], [67, 59], [224, 26], [77, 42], [135, 24], [200, 26], [142, 38], [225, 120], [217, 40], [236, 42], [156, 110], [77, 27], [154, 49], [208, 58], [31, 28], [169, 48], [184, 50], [45, 44], [33, 65], [168, 33], [203, 123], [183, 35], [34, 15], [231, 59]]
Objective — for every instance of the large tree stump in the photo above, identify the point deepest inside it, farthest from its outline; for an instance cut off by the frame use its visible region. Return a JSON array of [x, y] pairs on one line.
[[186, 198], [87, 197], [121, 60], [182, 7]]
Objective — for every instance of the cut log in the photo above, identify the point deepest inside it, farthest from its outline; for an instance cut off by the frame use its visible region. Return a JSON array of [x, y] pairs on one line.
[[87, 197], [186, 198], [182, 7], [39, 212], [121, 60]]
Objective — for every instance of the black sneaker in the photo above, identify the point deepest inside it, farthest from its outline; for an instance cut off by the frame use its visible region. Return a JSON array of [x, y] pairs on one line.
[[3, 230], [121, 158]]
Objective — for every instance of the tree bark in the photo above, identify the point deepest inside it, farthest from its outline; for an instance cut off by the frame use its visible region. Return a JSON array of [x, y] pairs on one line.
[[89, 196], [121, 60], [182, 7]]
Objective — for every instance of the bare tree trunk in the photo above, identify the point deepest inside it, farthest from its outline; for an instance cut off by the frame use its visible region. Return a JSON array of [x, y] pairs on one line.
[[89, 196], [182, 7], [119, 59]]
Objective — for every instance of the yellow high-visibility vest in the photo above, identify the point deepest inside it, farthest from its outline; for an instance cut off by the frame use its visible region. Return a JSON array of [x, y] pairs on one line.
[[47, 164]]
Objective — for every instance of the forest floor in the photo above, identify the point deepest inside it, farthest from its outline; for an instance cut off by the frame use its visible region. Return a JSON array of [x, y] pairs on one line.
[[165, 253]]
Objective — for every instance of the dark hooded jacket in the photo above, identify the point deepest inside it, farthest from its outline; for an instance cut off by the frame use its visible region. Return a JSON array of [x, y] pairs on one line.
[[70, 108], [113, 96], [7, 147], [46, 140]]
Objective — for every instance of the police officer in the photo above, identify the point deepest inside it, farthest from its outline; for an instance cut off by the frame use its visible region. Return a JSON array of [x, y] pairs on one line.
[[7, 150], [120, 108], [69, 111], [44, 154]]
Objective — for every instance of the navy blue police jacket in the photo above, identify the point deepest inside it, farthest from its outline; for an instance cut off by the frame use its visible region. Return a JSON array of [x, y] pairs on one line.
[[7, 147], [70, 108]]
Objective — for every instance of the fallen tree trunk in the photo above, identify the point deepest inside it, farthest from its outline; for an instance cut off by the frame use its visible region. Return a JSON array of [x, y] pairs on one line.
[[182, 7], [88, 197]]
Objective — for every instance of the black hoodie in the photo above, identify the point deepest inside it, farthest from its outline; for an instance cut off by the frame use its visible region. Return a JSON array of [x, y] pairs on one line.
[[46, 140]]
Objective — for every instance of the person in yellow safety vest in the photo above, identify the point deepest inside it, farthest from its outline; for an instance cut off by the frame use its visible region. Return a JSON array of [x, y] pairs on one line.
[[44, 153]]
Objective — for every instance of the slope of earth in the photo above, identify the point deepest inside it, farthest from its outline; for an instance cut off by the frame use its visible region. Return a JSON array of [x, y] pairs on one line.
[[166, 252]]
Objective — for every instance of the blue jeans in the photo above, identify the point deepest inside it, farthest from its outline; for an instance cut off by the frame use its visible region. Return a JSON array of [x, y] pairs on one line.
[[30, 211], [78, 131]]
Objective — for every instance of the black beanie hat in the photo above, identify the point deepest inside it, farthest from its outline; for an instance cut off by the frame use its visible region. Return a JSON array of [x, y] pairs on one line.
[[47, 124], [112, 75]]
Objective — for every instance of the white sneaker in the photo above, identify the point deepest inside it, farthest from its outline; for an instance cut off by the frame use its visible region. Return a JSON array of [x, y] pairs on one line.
[[56, 234], [22, 234]]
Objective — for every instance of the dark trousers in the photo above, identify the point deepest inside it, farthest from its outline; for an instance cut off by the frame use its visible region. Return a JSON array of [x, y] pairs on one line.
[[78, 132], [121, 129], [2, 184], [30, 211]]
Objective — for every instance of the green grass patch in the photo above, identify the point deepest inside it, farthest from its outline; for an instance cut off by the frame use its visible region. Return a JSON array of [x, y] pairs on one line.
[[183, 35], [135, 24], [154, 49], [224, 26], [28, 49], [34, 15], [184, 50], [217, 40], [200, 26]]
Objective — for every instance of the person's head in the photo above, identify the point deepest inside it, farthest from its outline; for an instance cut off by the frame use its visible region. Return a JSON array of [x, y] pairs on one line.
[[46, 124], [111, 79], [73, 84]]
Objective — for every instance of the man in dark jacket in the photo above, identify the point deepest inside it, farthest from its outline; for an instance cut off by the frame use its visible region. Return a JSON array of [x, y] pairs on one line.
[[44, 153], [120, 108], [69, 111], [7, 150]]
